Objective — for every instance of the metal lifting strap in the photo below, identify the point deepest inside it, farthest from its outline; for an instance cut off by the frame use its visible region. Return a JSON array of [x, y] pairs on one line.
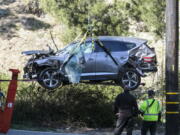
[[148, 106], [107, 51]]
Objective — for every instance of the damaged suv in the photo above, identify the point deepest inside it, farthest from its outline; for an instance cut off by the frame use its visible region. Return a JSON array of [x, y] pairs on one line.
[[121, 59]]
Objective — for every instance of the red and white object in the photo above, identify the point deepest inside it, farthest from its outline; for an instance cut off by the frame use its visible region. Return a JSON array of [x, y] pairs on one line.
[[148, 59], [6, 115]]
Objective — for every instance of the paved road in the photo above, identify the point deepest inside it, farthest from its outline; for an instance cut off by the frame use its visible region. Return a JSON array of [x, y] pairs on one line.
[[25, 132]]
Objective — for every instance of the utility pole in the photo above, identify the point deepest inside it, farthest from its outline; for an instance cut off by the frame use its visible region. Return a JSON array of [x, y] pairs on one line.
[[172, 50]]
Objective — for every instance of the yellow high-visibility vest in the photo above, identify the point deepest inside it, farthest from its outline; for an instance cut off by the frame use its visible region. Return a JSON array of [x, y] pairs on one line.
[[151, 113]]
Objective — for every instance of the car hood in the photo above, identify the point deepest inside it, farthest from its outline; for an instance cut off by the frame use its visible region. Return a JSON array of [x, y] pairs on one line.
[[35, 52]]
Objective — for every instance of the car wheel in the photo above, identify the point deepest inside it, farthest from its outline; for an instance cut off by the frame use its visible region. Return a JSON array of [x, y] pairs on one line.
[[129, 79], [50, 79]]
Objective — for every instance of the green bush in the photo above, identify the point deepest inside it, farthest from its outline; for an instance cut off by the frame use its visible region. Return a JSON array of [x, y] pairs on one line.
[[151, 13], [72, 105], [109, 18], [105, 19]]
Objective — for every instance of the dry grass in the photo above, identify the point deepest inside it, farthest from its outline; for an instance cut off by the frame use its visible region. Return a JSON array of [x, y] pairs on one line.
[[15, 37]]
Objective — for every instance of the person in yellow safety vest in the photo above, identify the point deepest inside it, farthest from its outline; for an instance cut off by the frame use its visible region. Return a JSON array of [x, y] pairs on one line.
[[151, 111]]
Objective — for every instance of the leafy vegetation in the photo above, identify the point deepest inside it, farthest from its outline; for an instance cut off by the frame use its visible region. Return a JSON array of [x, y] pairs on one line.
[[78, 105], [108, 18], [72, 105], [152, 13]]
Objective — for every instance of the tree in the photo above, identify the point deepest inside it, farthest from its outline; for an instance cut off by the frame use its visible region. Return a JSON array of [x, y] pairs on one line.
[[152, 13], [109, 18], [106, 19]]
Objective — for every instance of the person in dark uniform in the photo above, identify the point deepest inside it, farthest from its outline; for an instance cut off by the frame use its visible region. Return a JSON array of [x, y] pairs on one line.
[[125, 108]]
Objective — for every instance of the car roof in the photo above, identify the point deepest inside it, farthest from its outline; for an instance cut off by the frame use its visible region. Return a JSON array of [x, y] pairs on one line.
[[137, 41]]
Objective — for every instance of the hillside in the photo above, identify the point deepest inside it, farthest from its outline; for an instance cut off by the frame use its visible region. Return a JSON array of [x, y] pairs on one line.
[[22, 31]]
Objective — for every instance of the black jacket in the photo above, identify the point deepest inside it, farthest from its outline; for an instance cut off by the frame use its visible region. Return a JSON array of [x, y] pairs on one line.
[[125, 102]]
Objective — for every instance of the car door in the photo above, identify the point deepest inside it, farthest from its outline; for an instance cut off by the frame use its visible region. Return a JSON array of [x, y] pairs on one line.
[[88, 71], [120, 50], [105, 66]]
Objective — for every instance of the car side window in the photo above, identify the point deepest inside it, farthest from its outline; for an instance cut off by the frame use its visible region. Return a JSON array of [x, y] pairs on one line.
[[128, 46], [115, 46]]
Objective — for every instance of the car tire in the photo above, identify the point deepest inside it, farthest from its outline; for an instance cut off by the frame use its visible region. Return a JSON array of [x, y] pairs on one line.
[[129, 78], [50, 79]]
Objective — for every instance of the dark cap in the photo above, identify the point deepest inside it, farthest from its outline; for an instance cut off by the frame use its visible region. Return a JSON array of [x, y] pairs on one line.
[[151, 93]]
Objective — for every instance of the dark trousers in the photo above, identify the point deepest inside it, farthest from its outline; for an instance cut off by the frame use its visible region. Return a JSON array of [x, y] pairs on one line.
[[124, 122], [148, 126]]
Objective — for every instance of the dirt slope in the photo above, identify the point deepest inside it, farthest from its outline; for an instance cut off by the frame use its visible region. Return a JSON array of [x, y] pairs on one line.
[[21, 31]]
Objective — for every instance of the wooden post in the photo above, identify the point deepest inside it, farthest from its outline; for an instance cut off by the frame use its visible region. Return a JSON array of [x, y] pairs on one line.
[[172, 92]]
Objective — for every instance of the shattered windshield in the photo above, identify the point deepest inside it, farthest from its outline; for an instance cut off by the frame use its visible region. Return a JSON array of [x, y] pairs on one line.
[[68, 48], [75, 62]]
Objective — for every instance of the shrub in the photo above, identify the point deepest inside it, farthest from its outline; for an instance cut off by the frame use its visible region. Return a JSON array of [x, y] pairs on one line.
[[72, 105]]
